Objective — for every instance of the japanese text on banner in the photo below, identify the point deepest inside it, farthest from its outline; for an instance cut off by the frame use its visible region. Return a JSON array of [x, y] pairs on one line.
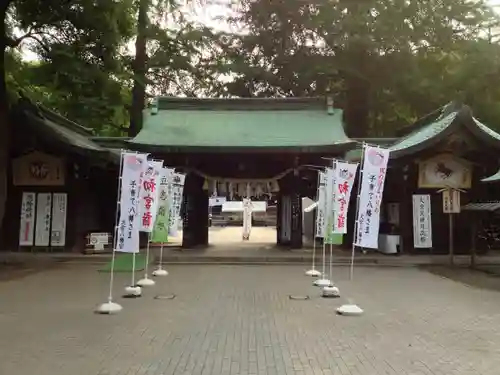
[[43, 218], [345, 175], [372, 187], [127, 232], [422, 224], [321, 208], [27, 225], [160, 232], [149, 196], [59, 212], [175, 208], [330, 237]]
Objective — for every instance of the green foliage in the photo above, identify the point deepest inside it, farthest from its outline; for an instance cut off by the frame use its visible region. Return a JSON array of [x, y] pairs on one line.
[[80, 73], [407, 57], [396, 59]]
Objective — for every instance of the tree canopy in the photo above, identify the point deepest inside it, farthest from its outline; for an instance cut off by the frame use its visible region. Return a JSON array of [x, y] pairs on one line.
[[387, 62]]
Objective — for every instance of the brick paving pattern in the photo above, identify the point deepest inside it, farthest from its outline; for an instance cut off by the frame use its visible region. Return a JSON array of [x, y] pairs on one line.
[[238, 320]]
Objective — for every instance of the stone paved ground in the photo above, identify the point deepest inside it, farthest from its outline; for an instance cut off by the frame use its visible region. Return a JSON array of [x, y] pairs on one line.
[[239, 320]]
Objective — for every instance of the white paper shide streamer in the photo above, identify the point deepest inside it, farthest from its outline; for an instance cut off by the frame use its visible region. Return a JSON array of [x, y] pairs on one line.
[[345, 173], [176, 202], [247, 218], [149, 196], [372, 187], [128, 223]]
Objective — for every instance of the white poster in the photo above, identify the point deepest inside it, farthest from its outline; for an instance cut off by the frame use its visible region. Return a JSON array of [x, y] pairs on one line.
[[422, 224], [59, 213], [247, 218], [375, 161], [43, 216], [451, 201], [27, 225], [127, 237], [178, 180], [149, 196], [345, 174], [321, 208]]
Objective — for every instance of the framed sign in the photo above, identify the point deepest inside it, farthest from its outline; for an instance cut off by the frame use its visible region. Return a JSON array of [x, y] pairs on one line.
[[443, 171], [451, 201], [38, 169]]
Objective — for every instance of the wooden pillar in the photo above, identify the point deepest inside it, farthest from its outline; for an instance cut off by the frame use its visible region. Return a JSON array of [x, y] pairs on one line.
[[407, 180], [189, 212], [473, 250], [296, 214], [279, 216], [195, 218], [202, 214]]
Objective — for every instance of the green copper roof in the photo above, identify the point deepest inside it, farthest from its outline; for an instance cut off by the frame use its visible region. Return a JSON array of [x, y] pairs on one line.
[[493, 178], [242, 124], [449, 122], [52, 127], [490, 132], [428, 132]]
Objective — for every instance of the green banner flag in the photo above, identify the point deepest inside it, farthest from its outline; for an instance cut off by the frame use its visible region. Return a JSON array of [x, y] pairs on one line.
[[332, 238], [160, 230]]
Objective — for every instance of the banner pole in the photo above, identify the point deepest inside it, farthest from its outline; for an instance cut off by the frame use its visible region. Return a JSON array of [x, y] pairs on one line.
[[323, 281], [146, 281], [134, 291], [166, 181], [356, 222], [111, 307], [313, 272]]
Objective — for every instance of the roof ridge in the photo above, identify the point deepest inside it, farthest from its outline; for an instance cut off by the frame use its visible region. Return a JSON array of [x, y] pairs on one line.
[[247, 104], [64, 121], [431, 117]]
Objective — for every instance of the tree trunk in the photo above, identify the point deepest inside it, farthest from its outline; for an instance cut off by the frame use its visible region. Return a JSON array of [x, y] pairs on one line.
[[5, 126], [357, 107], [139, 67]]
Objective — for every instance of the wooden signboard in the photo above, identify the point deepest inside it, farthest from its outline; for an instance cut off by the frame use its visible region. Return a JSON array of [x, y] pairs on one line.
[[443, 171], [38, 169]]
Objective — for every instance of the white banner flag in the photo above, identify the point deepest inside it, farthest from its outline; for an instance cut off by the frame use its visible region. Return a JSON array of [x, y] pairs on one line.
[[127, 233], [330, 195], [175, 207], [321, 208], [43, 216], [345, 174], [372, 187], [329, 200], [148, 207], [59, 213], [27, 225], [422, 224]]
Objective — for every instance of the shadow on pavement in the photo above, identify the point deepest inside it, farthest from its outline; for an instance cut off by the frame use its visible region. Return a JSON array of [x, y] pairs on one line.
[[484, 277]]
